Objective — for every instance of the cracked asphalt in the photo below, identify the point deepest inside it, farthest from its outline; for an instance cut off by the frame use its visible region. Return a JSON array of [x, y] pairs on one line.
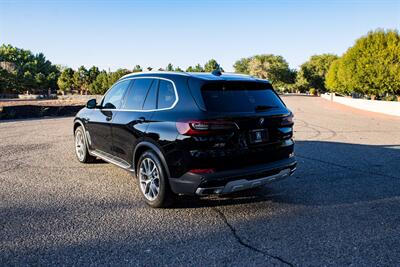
[[341, 207]]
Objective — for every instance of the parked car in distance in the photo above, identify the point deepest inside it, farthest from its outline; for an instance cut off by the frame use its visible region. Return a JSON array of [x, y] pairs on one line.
[[189, 133]]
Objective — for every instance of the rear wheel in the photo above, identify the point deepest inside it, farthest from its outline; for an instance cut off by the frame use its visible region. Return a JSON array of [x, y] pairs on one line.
[[153, 181], [81, 151]]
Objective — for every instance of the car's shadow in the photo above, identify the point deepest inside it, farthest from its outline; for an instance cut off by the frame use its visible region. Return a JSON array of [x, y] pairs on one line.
[[243, 197], [328, 173]]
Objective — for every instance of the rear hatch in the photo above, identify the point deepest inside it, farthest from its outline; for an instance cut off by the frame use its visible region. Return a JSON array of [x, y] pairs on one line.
[[261, 130]]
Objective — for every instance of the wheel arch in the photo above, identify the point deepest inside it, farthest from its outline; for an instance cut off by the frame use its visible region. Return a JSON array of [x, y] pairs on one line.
[[144, 146], [78, 123]]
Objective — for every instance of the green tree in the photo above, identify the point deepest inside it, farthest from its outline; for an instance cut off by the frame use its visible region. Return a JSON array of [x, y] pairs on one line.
[[197, 68], [7, 82], [100, 85], [169, 67], [66, 80], [92, 74], [81, 80], [52, 79], [371, 66], [105, 80], [312, 73], [242, 65], [332, 82], [115, 76], [271, 67], [211, 65], [26, 71], [28, 80]]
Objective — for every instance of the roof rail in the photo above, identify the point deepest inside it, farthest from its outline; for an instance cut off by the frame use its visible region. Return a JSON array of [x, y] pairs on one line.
[[155, 73]]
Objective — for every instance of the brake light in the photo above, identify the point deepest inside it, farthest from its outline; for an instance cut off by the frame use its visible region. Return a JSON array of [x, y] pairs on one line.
[[204, 127]]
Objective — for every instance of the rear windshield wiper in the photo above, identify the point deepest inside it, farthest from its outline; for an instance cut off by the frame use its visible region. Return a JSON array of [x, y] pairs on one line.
[[264, 107]]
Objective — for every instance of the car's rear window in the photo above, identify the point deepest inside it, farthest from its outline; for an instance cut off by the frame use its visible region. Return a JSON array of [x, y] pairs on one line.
[[239, 97]]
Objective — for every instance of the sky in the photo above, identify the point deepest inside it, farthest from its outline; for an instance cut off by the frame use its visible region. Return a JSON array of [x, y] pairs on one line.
[[121, 34]]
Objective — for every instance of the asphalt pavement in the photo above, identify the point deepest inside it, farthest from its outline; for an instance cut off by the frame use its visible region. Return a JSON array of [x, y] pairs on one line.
[[341, 207]]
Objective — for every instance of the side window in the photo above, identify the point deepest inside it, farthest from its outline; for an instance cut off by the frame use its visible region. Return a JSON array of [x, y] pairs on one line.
[[113, 98], [137, 94], [151, 98], [166, 94]]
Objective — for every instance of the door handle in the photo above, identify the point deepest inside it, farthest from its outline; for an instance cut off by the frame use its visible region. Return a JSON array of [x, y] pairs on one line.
[[141, 119], [108, 118]]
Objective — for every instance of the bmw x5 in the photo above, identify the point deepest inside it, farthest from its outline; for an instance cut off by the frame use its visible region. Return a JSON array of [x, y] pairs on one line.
[[189, 133]]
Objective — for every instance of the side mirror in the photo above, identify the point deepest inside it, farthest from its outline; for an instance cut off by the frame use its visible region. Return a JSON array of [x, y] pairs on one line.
[[91, 104]]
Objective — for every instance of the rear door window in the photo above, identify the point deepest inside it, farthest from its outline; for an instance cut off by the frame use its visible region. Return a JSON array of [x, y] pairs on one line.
[[239, 97], [137, 94], [151, 98]]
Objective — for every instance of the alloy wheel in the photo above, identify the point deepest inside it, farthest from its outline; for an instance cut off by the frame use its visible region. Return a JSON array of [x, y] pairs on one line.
[[80, 145], [149, 179]]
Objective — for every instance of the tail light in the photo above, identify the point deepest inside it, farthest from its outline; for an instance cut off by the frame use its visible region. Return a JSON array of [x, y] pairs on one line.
[[204, 127], [287, 121]]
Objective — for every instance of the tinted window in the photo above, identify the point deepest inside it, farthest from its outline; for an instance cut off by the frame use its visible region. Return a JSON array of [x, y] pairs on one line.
[[239, 97], [137, 93], [166, 94], [113, 98], [151, 98]]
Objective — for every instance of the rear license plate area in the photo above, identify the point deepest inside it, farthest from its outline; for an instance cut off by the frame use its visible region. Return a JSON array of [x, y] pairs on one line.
[[258, 136]]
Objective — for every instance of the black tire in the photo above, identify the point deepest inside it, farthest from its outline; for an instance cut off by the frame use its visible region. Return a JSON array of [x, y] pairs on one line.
[[82, 155], [165, 196]]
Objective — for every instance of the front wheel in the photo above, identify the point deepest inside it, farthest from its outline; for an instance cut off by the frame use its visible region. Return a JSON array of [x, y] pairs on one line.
[[153, 181], [81, 150]]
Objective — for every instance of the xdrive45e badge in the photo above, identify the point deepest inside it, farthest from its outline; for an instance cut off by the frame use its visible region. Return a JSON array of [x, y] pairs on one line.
[[261, 121]]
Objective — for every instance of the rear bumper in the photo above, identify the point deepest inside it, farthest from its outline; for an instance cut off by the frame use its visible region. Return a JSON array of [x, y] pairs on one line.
[[226, 182]]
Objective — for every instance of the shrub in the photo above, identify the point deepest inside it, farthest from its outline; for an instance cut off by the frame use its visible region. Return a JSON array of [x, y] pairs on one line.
[[371, 66], [312, 74], [313, 91]]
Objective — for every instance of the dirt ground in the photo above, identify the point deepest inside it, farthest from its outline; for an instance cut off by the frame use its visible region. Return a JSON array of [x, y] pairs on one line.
[[41, 102]]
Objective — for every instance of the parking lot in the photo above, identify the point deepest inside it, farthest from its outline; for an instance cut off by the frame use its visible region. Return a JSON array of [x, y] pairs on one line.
[[341, 207]]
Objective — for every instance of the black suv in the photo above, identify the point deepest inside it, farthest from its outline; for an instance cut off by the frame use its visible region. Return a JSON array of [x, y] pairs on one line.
[[189, 133]]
